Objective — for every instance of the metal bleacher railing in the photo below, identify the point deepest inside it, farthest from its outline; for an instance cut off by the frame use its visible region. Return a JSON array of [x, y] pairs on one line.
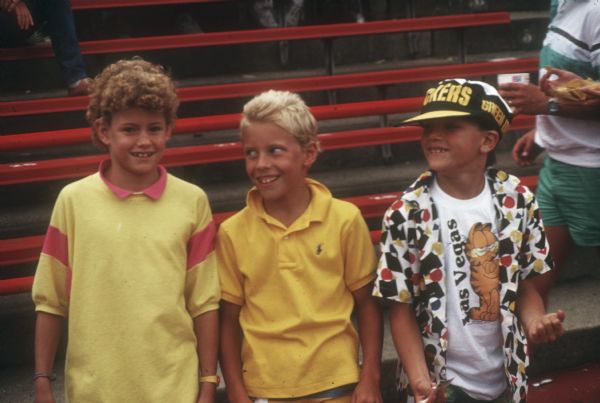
[[26, 249]]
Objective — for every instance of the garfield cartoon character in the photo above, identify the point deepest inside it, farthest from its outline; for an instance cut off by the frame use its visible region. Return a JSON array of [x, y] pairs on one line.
[[482, 252]]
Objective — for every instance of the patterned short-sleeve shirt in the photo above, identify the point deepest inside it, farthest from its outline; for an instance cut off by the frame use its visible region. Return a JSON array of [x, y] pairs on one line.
[[411, 268]]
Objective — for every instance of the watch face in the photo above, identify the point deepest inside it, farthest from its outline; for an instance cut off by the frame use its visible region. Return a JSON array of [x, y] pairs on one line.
[[553, 107]]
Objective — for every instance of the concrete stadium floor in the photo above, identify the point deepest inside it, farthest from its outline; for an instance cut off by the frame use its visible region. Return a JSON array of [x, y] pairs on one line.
[[577, 297]]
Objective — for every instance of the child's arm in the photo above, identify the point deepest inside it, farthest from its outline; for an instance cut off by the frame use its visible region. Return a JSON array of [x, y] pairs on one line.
[[539, 326], [206, 327], [231, 352], [369, 327], [408, 343], [48, 329]]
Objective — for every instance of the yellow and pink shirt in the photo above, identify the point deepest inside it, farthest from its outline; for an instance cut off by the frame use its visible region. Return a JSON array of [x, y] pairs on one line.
[[131, 271]]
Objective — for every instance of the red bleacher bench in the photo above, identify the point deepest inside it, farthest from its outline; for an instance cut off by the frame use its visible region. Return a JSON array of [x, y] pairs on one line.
[[27, 249], [265, 35], [101, 4], [304, 84]]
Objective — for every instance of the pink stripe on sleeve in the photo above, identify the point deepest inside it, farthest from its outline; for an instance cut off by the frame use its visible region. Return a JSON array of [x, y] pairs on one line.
[[201, 244], [56, 245]]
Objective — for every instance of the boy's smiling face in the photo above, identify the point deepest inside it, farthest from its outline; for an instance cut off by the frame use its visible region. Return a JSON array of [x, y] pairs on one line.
[[454, 146], [276, 163], [136, 140]]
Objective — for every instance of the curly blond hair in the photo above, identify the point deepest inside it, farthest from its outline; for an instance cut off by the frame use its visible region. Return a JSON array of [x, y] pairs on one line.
[[285, 109], [128, 84]]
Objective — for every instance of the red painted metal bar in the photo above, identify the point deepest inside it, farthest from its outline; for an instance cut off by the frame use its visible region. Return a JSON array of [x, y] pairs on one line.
[[27, 249], [20, 250], [102, 4], [36, 171], [12, 142], [318, 83], [265, 35], [74, 167], [15, 285]]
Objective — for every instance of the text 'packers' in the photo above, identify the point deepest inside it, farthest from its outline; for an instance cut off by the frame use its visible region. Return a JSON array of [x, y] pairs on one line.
[[449, 93]]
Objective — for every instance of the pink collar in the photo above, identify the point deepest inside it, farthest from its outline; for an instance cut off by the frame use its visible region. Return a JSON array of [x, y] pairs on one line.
[[153, 191]]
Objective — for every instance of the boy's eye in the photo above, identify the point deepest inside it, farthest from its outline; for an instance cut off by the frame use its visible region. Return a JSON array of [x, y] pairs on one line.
[[156, 129], [250, 154], [277, 150]]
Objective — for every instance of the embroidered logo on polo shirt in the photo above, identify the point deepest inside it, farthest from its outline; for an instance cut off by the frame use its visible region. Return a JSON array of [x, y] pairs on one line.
[[319, 248]]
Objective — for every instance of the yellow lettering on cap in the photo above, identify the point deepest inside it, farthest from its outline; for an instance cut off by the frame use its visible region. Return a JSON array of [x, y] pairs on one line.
[[428, 96], [453, 93], [465, 96], [444, 92], [437, 92], [496, 112]]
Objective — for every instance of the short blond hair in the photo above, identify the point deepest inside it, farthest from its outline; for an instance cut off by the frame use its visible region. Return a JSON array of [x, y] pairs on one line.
[[285, 109], [128, 84]]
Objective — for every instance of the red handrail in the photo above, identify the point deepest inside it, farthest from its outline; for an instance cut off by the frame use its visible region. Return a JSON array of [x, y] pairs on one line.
[[27, 249], [101, 4], [265, 35], [303, 84]]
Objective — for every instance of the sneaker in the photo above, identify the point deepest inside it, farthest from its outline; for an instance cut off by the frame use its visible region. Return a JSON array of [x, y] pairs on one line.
[[294, 14], [81, 87], [265, 13]]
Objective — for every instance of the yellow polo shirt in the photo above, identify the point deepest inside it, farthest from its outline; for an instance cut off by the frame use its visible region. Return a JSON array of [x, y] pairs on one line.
[[294, 286], [131, 271]]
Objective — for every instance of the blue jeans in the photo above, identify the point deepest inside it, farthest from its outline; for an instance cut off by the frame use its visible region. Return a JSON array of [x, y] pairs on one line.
[[60, 25]]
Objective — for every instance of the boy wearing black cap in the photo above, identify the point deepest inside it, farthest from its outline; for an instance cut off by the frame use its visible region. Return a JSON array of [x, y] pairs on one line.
[[462, 252]]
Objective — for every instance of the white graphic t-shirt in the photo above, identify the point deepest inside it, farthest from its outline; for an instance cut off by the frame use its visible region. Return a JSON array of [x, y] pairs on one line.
[[474, 356]]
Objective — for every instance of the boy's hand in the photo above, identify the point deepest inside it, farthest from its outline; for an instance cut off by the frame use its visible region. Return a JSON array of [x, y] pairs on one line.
[[524, 98], [525, 150], [424, 391], [545, 328], [207, 392], [367, 390], [43, 391]]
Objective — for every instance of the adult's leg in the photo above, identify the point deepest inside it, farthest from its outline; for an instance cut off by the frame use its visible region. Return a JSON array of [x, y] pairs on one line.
[[61, 28], [561, 246]]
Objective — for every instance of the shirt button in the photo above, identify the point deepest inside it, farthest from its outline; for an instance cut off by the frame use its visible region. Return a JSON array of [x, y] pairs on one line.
[[286, 237]]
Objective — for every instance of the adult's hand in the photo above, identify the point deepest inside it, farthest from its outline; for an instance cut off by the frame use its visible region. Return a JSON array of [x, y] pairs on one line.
[[24, 18], [561, 79], [524, 98], [525, 150]]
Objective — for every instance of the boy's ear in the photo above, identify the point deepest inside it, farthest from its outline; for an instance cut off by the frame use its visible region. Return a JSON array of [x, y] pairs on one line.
[[491, 138], [101, 128], [311, 151]]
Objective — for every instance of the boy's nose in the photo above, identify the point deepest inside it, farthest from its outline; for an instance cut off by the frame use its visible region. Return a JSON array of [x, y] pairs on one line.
[[144, 138], [263, 161]]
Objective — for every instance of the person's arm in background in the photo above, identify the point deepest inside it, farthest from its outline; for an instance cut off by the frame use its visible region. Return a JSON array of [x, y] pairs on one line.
[[532, 100], [526, 150], [22, 13]]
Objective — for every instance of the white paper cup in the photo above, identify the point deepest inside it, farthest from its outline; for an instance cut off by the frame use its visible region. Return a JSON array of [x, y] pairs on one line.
[[517, 78]]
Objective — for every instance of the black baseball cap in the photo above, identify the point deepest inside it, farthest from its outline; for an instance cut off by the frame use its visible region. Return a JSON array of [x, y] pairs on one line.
[[459, 97]]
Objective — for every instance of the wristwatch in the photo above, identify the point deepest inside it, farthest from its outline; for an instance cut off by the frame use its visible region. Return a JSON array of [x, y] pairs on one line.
[[553, 106]]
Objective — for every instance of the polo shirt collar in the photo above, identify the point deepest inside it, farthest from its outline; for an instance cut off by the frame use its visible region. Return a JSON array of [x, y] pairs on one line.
[[315, 212], [153, 191]]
